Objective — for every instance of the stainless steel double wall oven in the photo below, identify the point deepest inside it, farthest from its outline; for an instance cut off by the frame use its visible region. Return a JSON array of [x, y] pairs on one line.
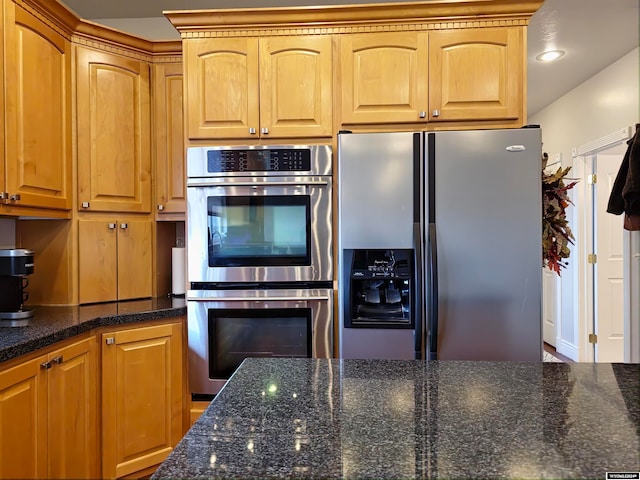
[[259, 255]]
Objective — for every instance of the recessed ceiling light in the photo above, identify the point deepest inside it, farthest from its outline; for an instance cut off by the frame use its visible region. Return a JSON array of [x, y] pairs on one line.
[[550, 56]]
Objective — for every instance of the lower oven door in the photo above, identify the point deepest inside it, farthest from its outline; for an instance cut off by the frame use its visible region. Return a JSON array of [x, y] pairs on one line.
[[227, 326]]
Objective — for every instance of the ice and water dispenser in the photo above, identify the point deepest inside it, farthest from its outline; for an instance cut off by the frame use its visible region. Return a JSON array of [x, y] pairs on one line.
[[379, 288], [378, 304]]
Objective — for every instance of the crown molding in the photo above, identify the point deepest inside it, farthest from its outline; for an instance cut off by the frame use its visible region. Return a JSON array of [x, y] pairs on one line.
[[335, 17]]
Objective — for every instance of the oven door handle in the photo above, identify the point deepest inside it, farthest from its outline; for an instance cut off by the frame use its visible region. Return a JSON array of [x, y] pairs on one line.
[[284, 298], [320, 183]]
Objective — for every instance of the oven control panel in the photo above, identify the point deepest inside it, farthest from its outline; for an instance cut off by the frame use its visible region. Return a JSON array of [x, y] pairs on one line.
[[263, 160]]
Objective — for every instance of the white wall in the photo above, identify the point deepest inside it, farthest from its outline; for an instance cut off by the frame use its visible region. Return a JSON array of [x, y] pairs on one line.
[[607, 102]]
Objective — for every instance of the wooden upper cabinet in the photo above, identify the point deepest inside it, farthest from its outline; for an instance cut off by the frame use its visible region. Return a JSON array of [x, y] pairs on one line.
[[221, 87], [296, 86], [2, 105], [383, 77], [38, 112], [114, 157], [169, 139], [477, 74], [249, 88]]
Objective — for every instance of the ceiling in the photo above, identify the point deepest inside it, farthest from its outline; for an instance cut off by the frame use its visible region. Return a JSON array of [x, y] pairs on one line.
[[594, 33]]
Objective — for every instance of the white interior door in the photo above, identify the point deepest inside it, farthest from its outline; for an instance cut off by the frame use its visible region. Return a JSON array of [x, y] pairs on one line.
[[549, 306], [609, 299], [550, 297]]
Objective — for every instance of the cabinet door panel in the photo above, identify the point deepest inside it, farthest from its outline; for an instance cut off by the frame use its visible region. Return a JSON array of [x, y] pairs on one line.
[[384, 77], [221, 77], [97, 261], [72, 412], [134, 259], [295, 86], [169, 139], [38, 112], [476, 74], [114, 162], [23, 426], [3, 7], [142, 397]]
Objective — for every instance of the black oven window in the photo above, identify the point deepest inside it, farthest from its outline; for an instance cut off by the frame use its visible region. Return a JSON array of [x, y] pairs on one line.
[[259, 231], [236, 334]]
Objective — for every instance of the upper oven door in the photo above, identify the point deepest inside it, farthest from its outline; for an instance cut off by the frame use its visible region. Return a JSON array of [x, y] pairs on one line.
[[259, 229]]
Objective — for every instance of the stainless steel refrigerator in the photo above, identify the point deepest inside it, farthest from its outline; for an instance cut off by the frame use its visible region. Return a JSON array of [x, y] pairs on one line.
[[440, 245]]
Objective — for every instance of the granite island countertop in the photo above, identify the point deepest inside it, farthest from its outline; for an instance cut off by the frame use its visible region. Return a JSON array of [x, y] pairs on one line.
[[313, 418], [50, 325]]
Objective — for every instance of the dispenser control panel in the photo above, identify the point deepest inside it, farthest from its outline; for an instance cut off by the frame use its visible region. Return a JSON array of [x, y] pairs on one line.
[[382, 264]]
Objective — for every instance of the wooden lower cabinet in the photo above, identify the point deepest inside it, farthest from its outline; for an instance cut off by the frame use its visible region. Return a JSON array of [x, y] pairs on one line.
[[142, 395], [48, 422], [197, 409]]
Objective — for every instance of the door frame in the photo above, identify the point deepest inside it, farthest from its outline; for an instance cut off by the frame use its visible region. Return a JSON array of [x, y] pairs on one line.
[[584, 317]]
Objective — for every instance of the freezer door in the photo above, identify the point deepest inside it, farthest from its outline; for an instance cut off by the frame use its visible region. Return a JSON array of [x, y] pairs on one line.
[[376, 190], [484, 203]]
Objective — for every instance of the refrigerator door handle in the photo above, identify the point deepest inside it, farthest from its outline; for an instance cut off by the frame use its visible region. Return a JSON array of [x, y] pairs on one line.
[[432, 294], [418, 305]]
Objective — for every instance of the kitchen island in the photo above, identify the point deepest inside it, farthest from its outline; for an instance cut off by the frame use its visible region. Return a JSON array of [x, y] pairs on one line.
[[318, 418]]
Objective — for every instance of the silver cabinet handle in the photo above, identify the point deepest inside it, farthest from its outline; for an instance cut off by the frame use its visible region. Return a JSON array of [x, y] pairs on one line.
[[85, 204], [15, 197], [436, 113], [252, 131], [4, 195], [57, 360], [422, 114], [264, 130], [160, 208], [110, 341], [124, 226], [112, 226], [45, 365]]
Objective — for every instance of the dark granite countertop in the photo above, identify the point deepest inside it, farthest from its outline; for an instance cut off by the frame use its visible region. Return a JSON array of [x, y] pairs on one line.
[[53, 324], [308, 418]]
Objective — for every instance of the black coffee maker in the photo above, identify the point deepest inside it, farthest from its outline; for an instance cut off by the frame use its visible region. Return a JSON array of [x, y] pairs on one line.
[[15, 265]]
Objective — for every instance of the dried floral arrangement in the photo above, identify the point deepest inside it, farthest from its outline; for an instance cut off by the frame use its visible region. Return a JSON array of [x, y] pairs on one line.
[[556, 234]]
